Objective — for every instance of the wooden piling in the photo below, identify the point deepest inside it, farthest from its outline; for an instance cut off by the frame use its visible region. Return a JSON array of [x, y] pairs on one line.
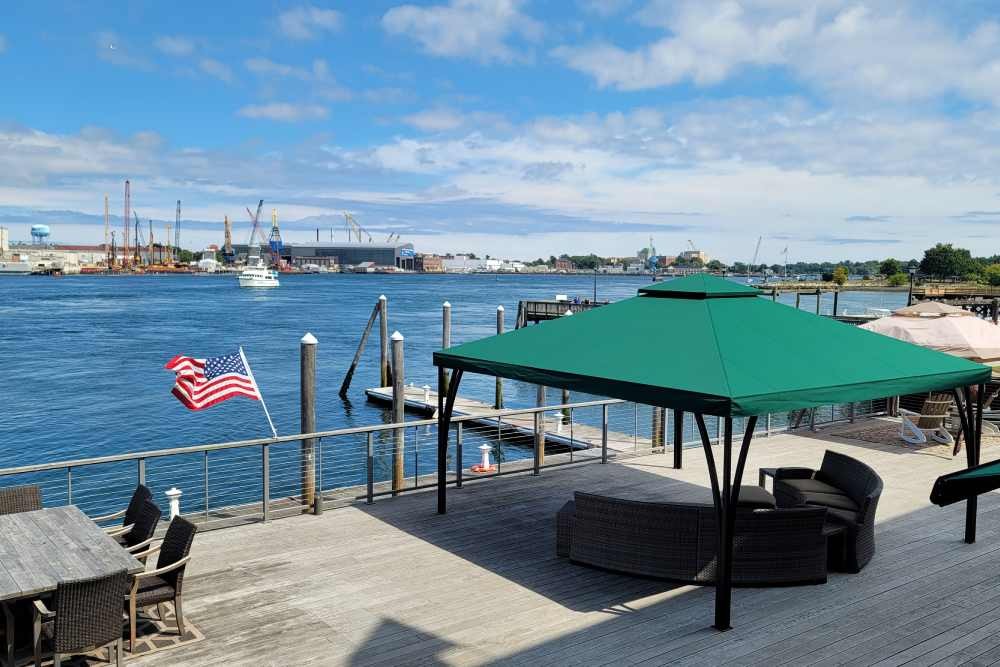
[[398, 412], [836, 299], [383, 335], [539, 431], [798, 298], [498, 397], [818, 295], [307, 414], [656, 429], [346, 384], [566, 412]]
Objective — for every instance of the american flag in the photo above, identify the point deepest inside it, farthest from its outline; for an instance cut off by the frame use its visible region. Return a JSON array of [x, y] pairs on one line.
[[201, 383]]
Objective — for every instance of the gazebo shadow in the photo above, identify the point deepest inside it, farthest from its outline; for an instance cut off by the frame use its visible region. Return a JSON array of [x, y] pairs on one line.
[[507, 528]]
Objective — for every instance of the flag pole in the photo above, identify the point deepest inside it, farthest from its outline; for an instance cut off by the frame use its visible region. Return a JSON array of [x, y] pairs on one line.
[[253, 380]]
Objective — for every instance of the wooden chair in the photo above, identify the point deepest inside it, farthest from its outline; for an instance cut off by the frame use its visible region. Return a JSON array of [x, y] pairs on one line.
[[165, 583], [16, 499], [129, 515], [915, 428], [88, 615]]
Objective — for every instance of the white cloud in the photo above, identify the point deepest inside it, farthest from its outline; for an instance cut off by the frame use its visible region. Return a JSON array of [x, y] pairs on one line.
[[267, 67], [479, 29], [308, 22], [435, 120], [174, 45], [603, 7], [285, 112], [881, 51], [216, 69]]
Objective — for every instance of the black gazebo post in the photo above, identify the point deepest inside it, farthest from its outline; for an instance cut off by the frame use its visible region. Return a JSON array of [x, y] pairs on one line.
[[726, 501], [446, 405], [971, 417]]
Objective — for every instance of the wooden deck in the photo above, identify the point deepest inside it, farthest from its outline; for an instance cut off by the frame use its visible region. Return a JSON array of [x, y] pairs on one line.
[[395, 584]]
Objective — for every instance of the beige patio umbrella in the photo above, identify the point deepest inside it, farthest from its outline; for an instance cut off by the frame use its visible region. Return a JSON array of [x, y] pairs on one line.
[[937, 327]]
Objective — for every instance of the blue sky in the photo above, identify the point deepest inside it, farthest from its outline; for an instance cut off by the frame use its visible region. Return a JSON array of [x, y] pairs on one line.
[[514, 127]]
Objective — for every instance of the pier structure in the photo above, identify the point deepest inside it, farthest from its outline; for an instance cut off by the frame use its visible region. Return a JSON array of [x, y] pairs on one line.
[[533, 312]]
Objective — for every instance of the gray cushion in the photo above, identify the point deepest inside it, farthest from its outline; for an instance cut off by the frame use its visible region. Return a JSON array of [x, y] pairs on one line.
[[842, 516]]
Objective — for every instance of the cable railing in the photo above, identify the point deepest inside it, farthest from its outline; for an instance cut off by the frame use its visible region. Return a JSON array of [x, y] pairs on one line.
[[230, 483]]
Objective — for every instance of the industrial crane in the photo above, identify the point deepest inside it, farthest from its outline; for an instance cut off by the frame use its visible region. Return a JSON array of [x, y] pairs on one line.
[[275, 240], [255, 232], [691, 244], [353, 228]]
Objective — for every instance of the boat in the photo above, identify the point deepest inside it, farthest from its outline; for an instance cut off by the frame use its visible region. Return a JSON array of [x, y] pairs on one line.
[[14, 268], [257, 275]]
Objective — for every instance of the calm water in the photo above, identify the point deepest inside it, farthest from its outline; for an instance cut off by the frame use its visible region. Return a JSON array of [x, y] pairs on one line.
[[84, 355]]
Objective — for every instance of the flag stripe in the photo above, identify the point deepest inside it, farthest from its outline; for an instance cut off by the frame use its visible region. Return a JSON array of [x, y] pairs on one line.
[[202, 383]]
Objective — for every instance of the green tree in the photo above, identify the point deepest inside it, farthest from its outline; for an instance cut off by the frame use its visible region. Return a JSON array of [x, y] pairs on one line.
[[946, 261], [890, 267], [898, 279], [992, 274], [715, 265], [840, 275]]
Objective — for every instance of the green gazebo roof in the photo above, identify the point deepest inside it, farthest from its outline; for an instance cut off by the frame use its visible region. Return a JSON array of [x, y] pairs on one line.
[[709, 345]]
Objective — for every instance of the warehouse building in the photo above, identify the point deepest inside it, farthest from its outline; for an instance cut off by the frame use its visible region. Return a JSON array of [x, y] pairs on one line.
[[399, 255]]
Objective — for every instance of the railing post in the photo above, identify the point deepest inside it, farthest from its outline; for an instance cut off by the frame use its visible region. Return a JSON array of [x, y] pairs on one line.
[[265, 465], [204, 466], [678, 439], [307, 417], [445, 337], [539, 431], [398, 413], [572, 439], [370, 470], [69, 485], [318, 497], [768, 425], [458, 456], [142, 471], [416, 457], [604, 433]]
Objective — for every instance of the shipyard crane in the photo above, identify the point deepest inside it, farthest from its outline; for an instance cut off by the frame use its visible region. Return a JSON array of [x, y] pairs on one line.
[[166, 247], [255, 231], [177, 229], [274, 241], [691, 244], [227, 242], [149, 253], [756, 252], [354, 228], [137, 241]]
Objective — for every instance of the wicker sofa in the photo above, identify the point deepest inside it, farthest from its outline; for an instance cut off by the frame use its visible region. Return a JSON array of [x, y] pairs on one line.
[[848, 489], [679, 541]]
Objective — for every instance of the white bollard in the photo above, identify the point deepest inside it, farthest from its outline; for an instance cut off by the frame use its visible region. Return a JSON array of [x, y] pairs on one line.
[[485, 462], [427, 393], [173, 495]]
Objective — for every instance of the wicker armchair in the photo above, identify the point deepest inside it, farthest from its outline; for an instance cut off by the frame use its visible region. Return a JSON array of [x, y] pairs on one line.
[[88, 614], [140, 535], [15, 499], [166, 582], [850, 491], [141, 495]]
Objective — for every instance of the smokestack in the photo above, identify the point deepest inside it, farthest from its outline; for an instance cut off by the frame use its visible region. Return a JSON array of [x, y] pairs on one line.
[[317, 235]]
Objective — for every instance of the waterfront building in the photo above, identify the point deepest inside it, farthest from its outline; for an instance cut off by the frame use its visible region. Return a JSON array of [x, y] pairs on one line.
[[428, 264], [395, 254]]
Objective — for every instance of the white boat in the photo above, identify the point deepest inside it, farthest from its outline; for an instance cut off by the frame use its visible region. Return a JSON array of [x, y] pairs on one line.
[[257, 275], [14, 268]]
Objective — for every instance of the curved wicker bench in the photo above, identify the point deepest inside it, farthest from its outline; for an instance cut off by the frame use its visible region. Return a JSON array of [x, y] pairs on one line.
[[850, 491], [679, 541]]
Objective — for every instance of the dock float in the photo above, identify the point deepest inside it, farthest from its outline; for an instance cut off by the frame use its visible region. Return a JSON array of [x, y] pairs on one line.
[[557, 428]]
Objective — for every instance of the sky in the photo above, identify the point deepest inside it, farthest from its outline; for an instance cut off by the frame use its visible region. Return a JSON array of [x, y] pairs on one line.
[[517, 128]]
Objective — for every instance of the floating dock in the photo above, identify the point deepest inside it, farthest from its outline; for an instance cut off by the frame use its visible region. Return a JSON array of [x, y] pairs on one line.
[[558, 429]]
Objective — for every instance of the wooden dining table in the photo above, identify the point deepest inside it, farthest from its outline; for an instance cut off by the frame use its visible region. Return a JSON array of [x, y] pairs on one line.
[[40, 549]]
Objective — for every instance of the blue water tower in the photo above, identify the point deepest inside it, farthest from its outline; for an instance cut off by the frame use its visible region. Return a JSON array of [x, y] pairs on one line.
[[39, 233]]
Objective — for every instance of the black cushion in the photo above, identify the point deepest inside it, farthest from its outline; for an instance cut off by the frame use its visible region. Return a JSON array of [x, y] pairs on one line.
[[831, 500], [153, 590], [812, 485], [756, 497]]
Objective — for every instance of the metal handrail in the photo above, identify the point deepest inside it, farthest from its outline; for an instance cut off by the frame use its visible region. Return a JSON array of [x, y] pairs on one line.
[[257, 442]]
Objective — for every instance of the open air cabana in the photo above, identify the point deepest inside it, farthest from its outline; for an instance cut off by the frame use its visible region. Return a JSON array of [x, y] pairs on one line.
[[710, 346]]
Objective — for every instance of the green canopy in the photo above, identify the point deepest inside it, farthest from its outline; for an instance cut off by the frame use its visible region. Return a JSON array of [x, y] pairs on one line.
[[709, 345]]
